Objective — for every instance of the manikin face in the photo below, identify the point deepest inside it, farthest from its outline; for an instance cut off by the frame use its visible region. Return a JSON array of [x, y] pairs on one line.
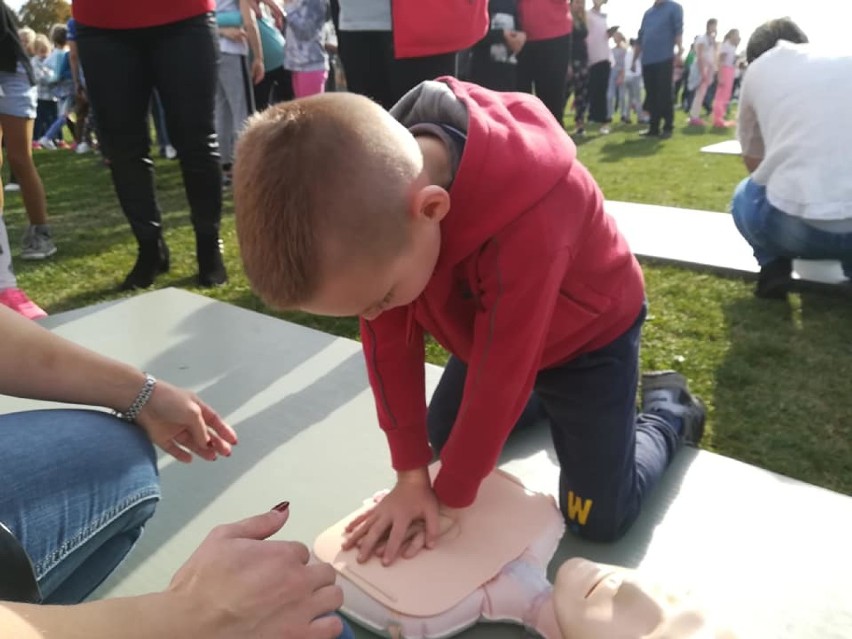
[[604, 602], [368, 291]]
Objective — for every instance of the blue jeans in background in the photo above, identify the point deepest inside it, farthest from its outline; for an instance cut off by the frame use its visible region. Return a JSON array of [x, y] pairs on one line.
[[77, 489], [773, 234]]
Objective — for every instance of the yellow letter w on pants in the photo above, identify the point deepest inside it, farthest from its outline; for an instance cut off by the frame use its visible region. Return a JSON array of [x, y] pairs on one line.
[[578, 508]]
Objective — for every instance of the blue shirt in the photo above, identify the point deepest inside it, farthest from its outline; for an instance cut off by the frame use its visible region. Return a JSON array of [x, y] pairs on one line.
[[661, 24]]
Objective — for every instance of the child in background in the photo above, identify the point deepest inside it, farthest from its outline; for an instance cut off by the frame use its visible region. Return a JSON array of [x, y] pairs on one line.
[[494, 62], [63, 89], [727, 71], [616, 92], [46, 112], [632, 84], [464, 214], [304, 49]]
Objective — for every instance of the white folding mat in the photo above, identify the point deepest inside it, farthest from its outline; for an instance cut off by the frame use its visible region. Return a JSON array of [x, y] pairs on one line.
[[771, 552], [702, 238], [728, 147]]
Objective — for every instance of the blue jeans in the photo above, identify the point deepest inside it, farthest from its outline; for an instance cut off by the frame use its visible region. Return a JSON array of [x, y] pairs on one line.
[[77, 489], [610, 458], [773, 234]]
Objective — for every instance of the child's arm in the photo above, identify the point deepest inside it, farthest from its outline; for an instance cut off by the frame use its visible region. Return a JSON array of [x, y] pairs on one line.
[[516, 307], [394, 352], [253, 37]]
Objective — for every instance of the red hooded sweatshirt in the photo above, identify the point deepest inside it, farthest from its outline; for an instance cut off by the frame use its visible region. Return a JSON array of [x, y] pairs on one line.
[[431, 27], [136, 14], [545, 19], [532, 272]]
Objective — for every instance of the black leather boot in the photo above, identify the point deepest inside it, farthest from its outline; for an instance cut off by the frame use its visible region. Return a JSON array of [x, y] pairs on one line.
[[211, 268], [153, 258]]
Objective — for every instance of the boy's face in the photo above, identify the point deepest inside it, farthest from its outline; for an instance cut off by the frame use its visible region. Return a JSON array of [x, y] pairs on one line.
[[370, 290]]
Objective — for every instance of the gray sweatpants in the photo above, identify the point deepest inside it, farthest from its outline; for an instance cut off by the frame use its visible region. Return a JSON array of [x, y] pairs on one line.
[[234, 102]]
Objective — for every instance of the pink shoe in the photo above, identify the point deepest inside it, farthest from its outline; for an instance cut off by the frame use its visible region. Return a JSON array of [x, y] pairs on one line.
[[697, 122], [18, 301]]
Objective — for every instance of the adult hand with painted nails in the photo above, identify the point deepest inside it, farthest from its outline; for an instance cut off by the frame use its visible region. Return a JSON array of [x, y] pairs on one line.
[[249, 587], [238, 584]]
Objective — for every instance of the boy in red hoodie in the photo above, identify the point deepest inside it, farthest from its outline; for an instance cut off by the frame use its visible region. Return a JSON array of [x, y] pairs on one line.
[[464, 214]]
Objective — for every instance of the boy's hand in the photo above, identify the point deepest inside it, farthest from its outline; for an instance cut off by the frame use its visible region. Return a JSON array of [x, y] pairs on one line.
[[403, 522]]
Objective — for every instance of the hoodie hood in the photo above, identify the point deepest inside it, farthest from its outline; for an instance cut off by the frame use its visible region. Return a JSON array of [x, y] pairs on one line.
[[516, 152]]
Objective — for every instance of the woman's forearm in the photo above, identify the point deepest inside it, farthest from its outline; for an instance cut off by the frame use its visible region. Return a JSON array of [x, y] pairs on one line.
[[159, 616], [36, 364]]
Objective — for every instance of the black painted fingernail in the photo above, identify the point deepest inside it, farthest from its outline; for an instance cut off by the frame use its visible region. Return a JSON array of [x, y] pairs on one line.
[[282, 507]]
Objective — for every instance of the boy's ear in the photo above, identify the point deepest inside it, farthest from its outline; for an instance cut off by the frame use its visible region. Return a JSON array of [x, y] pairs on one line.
[[431, 203]]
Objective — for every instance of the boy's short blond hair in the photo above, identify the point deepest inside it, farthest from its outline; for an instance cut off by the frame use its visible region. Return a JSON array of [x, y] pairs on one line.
[[41, 42], [321, 184]]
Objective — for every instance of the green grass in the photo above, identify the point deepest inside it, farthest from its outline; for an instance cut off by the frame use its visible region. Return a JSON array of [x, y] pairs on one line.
[[775, 376]]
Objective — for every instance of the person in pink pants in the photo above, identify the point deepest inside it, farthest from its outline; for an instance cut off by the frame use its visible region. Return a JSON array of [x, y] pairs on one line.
[[725, 81], [304, 50]]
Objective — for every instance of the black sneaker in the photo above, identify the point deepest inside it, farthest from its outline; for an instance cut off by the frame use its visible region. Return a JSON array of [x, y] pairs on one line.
[[667, 391], [775, 279], [665, 134]]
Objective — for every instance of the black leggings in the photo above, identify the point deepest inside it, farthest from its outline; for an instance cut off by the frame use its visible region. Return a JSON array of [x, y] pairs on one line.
[[542, 67], [276, 86], [598, 87], [122, 68], [372, 70]]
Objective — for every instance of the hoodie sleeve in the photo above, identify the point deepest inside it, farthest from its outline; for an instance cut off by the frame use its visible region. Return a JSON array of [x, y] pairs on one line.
[[518, 291], [394, 351]]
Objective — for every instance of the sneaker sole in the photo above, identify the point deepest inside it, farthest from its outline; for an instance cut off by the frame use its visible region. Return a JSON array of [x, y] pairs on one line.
[[654, 380], [38, 256]]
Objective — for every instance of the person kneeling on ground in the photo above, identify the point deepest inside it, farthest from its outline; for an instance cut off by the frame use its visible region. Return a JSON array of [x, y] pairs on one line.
[[797, 202]]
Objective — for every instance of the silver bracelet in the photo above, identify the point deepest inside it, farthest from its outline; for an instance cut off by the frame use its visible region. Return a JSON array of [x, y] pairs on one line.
[[138, 404]]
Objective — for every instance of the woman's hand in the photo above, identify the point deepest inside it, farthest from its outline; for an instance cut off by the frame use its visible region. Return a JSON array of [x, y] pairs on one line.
[[177, 421], [239, 584]]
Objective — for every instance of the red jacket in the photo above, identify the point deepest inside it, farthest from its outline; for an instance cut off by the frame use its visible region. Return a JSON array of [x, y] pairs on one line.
[[429, 27], [532, 272], [136, 14], [545, 19]]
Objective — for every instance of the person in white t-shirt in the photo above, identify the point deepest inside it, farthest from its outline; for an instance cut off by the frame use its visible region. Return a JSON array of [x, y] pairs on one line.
[[797, 203], [705, 60]]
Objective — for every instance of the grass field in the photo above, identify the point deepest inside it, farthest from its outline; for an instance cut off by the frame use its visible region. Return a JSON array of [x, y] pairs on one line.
[[775, 376]]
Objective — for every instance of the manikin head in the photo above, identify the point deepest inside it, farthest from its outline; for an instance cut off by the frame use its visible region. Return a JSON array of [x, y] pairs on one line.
[[594, 601]]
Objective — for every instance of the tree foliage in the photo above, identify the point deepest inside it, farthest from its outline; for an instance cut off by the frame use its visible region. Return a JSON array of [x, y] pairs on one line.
[[41, 15]]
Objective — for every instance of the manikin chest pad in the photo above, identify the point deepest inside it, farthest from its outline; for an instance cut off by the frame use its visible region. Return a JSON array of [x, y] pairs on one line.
[[489, 564]]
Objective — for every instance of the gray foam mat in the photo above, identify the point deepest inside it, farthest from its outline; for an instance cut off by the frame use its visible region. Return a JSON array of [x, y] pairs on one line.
[[771, 553]]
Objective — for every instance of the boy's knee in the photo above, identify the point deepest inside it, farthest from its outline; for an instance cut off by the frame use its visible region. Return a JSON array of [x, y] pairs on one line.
[[587, 520]]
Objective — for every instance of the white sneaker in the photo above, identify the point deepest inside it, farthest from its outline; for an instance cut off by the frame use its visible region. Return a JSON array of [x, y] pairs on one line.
[[47, 144], [12, 187], [82, 148], [37, 244], [171, 152]]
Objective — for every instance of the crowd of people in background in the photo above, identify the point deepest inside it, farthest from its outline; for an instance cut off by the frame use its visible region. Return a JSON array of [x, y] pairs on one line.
[[567, 53]]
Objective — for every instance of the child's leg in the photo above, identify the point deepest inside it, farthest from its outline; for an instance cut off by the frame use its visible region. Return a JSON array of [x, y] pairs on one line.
[[307, 83], [581, 93], [18, 133], [610, 458], [446, 401]]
